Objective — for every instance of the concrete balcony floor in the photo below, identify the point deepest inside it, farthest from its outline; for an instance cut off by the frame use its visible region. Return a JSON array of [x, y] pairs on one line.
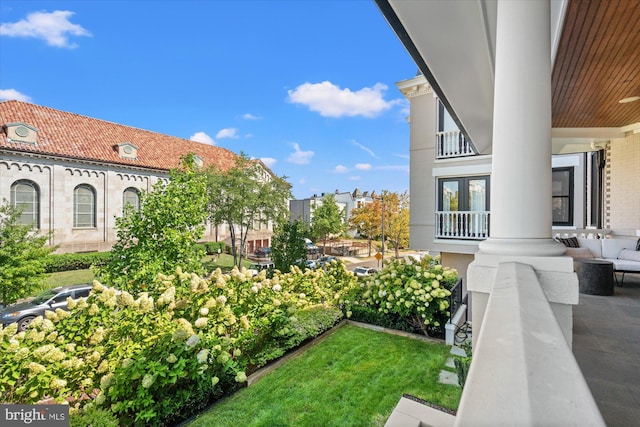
[[606, 344]]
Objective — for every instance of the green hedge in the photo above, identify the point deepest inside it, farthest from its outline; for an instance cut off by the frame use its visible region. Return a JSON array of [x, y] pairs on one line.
[[78, 261], [211, 248]]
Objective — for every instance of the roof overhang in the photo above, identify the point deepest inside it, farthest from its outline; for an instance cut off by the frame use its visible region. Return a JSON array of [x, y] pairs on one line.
[[453, 44]]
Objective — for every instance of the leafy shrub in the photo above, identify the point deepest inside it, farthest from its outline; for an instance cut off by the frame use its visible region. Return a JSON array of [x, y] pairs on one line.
[[463, 363], [75, 261], [415, 291], [94, 417], [211, 248], [22, 250], [155, 358]]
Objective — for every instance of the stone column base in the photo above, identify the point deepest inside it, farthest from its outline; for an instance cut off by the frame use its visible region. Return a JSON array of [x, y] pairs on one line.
[[556, 276]]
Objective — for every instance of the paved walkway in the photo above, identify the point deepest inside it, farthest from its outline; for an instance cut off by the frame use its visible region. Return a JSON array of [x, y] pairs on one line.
[[606, 344]]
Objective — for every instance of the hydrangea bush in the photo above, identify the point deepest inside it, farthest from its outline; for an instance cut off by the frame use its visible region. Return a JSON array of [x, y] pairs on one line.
[[417, 291], [156, 358]]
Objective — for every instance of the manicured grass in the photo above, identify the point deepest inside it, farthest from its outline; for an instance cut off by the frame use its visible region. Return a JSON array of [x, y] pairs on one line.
[[353, 378], [225, 262], [72, 277]]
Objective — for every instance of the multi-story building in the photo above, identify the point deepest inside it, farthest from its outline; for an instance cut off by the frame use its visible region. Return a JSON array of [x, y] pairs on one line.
[[524, 81], [73, 174], [303, 208]]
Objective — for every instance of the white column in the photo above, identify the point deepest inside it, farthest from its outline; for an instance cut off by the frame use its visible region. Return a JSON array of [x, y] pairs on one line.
[[521, 176]]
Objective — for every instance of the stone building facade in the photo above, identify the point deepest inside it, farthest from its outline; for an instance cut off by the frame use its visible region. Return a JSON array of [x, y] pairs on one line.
[[73, 174]]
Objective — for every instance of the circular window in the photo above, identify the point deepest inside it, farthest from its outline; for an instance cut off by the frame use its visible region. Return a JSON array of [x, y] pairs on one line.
[[22, 131], [127, 149]]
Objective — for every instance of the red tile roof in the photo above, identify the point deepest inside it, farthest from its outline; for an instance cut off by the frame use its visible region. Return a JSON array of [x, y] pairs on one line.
[[71, 135]]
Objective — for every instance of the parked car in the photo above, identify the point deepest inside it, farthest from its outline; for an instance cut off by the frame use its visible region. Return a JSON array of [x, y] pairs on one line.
[[311, 248], [257, 267], [364, 271], [310, 264], [23, 313], [323, 260], [262, 252]]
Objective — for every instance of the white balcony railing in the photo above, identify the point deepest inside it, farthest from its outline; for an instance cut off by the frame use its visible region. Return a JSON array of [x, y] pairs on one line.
[[463, 225], [453, 144]]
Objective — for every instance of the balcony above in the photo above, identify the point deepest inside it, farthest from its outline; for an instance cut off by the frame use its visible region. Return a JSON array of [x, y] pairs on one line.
[[462, 225], [453, 144]]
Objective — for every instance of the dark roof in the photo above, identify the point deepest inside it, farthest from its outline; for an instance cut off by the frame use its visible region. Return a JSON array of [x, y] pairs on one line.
[[71, 135]]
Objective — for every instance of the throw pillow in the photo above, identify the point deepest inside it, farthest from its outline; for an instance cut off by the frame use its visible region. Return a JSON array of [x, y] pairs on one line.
[[629, 255], [570, 242]]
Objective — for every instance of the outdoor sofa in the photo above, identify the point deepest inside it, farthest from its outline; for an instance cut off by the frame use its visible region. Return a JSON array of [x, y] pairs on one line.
[[624, 253]]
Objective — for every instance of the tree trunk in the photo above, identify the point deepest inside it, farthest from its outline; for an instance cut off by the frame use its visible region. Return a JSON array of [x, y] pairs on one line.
[[369, 245]]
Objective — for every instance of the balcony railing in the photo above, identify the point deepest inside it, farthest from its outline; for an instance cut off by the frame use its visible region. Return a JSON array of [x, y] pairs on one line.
[[453, 144], [462, 225]]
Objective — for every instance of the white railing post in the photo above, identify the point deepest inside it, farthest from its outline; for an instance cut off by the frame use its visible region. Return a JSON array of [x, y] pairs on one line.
[[452, 144], [462, 225]]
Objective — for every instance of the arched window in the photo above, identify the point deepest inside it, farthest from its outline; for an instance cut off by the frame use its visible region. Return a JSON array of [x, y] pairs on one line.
[[84, 206], [131, 196], [25, 195]]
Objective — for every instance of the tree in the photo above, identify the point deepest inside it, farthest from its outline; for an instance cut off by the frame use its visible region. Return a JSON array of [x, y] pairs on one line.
[[162, 234], [22, 256], [288, 246], [367, 219], [396, 217], [242, 195], [327, 218]]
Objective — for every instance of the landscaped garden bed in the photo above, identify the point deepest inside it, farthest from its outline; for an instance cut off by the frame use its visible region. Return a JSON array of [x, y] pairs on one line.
[[163, 355], [354, 377]]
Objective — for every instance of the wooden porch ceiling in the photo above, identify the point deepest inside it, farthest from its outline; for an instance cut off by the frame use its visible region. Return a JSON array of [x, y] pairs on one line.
[[597, 65]]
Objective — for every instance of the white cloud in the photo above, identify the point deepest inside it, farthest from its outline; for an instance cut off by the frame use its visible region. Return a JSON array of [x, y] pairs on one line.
[[354, 178], [363, 166], [228, 133], [54, 28], [203, 138], [364, 148], [6, 94], [340, 169], [331, 101], [249, 116], [299, 156], [269, 161], [402, 156]]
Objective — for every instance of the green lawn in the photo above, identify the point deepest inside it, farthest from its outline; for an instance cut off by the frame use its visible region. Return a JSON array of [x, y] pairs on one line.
[[225, 262], [353, 378], [64, 278]]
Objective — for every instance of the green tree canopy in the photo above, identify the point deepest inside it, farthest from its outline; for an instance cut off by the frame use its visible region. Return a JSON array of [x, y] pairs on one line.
[[367, 220], [396, 216], [245, 195], [22, 256], [327, 218], [287, 245], [162, 234]]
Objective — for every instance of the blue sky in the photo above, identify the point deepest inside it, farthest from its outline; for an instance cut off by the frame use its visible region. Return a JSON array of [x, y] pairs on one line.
[[307, 86]]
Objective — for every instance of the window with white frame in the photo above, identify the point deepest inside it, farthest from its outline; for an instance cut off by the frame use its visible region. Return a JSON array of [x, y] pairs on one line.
[[84, 206], [25, 195], [131, 197]]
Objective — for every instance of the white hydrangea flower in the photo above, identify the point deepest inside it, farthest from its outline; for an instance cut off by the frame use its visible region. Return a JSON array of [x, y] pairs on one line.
[[193, 341]]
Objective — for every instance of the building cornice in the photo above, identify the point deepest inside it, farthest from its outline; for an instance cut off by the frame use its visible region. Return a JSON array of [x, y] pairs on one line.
[[54, 158], [416, 86]]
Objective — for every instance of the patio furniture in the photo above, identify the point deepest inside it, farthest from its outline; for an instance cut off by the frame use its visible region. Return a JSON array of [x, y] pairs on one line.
[[595, 276]]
